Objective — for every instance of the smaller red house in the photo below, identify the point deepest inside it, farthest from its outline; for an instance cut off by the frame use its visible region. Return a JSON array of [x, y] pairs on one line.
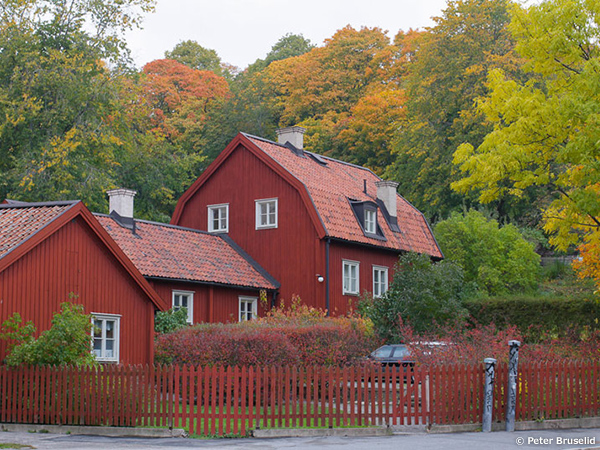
[[56, 251], [209, 275]]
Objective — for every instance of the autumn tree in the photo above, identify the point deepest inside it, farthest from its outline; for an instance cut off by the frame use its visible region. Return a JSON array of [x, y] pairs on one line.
[[339, 87], [545, 131], [56, 93], [446, 69]]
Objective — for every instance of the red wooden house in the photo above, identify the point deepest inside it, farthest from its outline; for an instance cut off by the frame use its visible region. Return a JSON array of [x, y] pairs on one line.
[[208, 274], [325, 229], [54, 252]]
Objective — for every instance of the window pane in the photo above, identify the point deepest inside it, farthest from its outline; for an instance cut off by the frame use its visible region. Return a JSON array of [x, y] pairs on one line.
[[98, 328], [110, 329], [98, 347]]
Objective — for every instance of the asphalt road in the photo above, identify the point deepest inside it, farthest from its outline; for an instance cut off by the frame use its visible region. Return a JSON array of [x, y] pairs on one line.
[[588, 439]]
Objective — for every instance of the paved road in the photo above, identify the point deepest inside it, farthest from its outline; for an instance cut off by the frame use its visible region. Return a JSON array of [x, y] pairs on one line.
[[456, 441]]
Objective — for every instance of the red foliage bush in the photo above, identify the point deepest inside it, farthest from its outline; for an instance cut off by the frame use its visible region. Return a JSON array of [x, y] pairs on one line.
[[296, 335], [473, 344]]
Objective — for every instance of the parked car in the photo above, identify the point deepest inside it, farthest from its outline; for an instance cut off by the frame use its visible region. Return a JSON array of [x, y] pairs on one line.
[[393, 355]]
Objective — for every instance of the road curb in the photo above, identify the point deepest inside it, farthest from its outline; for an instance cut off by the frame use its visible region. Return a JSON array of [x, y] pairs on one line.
[[95, 431], [526, 425], [320, 432]]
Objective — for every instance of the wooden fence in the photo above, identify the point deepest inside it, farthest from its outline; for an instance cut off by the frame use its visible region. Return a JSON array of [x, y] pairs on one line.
[[232, 400]]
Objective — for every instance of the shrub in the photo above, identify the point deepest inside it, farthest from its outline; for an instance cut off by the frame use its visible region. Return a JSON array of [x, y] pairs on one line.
[[537, 317], [294, 335], [422, 294], [66, 342], [497, 259], [171, 320]]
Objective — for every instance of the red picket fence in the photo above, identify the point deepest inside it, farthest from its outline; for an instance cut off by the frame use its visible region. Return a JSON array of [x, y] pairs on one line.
[[233, 400]]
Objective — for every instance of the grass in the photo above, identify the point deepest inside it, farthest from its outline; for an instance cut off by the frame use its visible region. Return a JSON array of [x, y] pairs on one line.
[[317, 421], [14, 445]]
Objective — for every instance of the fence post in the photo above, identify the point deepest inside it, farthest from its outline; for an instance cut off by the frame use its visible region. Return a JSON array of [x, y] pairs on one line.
[[488, 402], [513, 369]]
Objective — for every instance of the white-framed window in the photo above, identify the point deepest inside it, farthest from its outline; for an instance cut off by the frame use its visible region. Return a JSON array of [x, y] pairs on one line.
[[380, 280], [106, 336], [370, 220], [351, 282], [218, 218], [266, 213], [184, 299], [248, 308]]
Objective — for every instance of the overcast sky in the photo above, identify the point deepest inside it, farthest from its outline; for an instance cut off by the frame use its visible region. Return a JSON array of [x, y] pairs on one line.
[[243, 30]]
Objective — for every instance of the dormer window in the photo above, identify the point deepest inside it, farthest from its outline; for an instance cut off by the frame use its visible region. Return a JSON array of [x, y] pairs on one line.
[[366, 216], [370, 221]]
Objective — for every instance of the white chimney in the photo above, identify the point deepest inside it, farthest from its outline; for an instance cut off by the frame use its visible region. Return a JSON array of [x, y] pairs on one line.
[[121, 202], [386, 192], [293, 135]]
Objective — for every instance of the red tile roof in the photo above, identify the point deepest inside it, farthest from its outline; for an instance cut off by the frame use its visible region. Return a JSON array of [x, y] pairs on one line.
[[331, 185], [20, 221], [167, 251]]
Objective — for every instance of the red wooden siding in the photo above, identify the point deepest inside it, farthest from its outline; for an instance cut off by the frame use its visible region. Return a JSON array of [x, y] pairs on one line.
[[224, 306], [367, 257], [74, 260], [291, 252]]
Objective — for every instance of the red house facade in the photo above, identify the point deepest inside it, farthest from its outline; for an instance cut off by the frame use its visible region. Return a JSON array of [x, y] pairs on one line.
[[325, 229], [209, 275], [54, 252]]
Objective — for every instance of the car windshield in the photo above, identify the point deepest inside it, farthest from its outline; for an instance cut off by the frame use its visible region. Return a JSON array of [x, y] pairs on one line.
[[383, 352]]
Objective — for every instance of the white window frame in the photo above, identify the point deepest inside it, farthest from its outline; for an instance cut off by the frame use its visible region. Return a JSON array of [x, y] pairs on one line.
[[347, 288], [381, 270], [220, 207], [190, 307], [258, 204], [116, 318], [370, 225], [253, 301]]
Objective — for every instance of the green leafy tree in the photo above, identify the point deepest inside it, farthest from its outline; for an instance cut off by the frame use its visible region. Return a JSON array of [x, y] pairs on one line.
[[444, 73], [68, 341], [423, 295], [498, 259], [545, 131], [193, 55], [171, 320]]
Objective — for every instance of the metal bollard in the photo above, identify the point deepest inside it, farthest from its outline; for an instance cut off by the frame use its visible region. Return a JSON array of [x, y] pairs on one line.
[[488, 402], [513, 371]]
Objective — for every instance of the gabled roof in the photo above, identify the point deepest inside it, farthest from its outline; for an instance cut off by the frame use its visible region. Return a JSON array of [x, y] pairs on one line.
[[25, 225], [170, 252], [327, 187]]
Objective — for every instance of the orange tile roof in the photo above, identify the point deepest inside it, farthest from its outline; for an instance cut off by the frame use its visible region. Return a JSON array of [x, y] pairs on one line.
[[20, 221], [331, 185], [167, 251]]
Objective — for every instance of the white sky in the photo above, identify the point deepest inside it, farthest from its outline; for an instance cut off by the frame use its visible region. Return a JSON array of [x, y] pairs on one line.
[[243, 30]]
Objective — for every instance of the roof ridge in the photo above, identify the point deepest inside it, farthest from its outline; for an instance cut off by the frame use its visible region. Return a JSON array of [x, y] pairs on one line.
[[38, 204], [268, 141], [162, 224]]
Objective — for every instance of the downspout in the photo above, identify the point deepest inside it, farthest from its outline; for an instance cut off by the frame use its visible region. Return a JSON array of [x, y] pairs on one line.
[[327, 275]]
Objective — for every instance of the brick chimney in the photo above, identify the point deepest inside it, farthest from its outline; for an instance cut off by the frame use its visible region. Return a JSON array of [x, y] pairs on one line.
[[121, 202], [293, 135], [386, 192]]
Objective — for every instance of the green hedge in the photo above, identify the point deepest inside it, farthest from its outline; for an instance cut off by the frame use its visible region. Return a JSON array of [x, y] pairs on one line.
[[535, 316]]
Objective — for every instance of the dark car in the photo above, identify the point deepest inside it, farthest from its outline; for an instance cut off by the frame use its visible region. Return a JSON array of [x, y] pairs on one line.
[[393, 355]]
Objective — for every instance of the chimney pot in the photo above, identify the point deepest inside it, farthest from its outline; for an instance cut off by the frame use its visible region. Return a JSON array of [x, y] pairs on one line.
[[121, 202], [386, 192], [293, 135]]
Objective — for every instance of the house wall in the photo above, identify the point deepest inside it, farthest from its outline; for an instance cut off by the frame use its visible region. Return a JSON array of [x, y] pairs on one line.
[[73, 261], [367, 257], [292, 252], [211, 303]]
